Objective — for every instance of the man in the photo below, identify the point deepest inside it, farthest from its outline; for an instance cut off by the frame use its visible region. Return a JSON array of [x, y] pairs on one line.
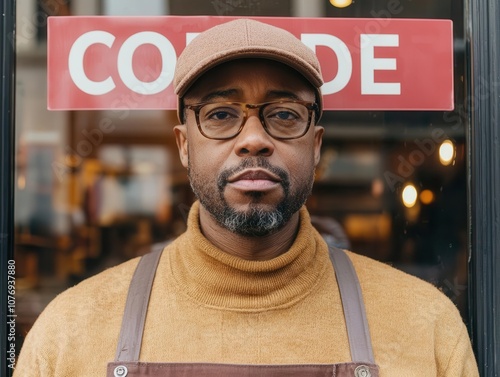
[[250, 287]]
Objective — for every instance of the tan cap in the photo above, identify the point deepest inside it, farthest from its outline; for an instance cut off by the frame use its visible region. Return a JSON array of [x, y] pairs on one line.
[[244, 38]]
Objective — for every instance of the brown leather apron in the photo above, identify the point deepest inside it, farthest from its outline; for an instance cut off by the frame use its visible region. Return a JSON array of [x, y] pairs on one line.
[[127, 362]]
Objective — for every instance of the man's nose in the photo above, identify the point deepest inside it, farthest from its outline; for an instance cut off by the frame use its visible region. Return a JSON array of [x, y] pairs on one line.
[[253, 139]]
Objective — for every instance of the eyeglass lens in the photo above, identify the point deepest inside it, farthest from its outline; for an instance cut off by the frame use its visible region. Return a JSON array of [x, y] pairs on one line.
[[282, 120]]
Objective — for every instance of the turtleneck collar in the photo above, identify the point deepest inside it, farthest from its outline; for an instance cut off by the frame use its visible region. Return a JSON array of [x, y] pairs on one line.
[[215, 278]]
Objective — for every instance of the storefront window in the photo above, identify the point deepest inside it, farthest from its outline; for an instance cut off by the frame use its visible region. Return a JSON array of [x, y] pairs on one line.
[[393, 183]]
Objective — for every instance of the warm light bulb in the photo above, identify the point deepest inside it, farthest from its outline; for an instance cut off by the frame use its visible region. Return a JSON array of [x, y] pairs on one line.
[[409, 196], [446, 152], [341, 3], [427, 197]]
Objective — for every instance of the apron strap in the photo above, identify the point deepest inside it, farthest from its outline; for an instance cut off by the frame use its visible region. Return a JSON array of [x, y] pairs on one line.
[[354, 308], [134, 317], [136, 307]]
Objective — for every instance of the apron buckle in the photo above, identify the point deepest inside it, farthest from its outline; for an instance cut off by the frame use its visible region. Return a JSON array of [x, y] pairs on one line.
[[362, 371], [120, 371]]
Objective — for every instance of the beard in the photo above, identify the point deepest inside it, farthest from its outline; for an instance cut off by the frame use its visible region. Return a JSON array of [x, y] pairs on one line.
[[255, 221]]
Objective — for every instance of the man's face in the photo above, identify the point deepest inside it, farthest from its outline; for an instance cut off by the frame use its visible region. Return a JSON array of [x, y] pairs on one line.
[[251, 184]]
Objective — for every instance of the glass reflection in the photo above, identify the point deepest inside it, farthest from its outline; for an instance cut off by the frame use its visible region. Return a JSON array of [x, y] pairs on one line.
[[85, 203]]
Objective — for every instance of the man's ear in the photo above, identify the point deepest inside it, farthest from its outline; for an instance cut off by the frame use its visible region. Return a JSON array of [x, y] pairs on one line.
[[180, 132], [318, 138]]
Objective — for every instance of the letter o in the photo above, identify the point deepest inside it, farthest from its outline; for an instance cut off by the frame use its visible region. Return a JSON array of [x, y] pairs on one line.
[[125, 68]]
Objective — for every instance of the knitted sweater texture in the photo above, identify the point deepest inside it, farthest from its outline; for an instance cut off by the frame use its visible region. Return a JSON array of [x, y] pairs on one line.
[[208, 306]]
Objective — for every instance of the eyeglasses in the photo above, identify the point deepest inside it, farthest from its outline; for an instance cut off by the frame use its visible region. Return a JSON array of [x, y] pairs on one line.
[[282, 120]]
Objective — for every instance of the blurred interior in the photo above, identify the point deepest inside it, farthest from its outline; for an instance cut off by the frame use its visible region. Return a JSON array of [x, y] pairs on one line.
[[394, 182]]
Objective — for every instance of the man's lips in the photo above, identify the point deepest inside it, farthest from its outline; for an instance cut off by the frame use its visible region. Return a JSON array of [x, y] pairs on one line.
[[254, 179]]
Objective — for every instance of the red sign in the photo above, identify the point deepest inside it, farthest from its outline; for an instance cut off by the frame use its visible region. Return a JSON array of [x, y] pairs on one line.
[[367, 64]]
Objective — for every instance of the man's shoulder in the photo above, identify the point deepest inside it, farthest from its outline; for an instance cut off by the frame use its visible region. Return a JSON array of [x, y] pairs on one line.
[[88, 312], [102, 291], [406, 314], [397, 289]]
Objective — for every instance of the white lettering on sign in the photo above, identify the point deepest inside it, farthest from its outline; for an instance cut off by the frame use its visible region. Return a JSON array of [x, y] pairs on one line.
[[75, 62], [124, 63], [126, 70], [344, 60], [190, 37], [370, 64]]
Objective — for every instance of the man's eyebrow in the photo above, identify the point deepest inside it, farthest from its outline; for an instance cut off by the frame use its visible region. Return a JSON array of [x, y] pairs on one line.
[[219, 94], [282, 94], [227, 93]]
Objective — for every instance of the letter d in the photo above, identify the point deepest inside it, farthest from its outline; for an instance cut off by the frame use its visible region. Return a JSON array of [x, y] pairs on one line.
[[344, 59]]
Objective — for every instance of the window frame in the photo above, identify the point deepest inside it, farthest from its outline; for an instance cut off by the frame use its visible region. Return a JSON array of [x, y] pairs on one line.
[[484, 180], [7, 150]]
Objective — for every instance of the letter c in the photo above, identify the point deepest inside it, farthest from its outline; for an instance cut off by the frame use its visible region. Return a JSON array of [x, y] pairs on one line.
[[75, 62]]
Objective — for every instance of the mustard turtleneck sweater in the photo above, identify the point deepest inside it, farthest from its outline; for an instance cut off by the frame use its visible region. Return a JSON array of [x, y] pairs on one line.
[[208, 306]]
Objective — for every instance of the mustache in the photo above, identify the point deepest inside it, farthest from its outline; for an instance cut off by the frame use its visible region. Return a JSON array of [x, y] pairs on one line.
[[253, 162]]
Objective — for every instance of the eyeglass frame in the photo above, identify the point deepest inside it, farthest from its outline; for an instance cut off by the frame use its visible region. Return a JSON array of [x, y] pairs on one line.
[[310, 106]]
